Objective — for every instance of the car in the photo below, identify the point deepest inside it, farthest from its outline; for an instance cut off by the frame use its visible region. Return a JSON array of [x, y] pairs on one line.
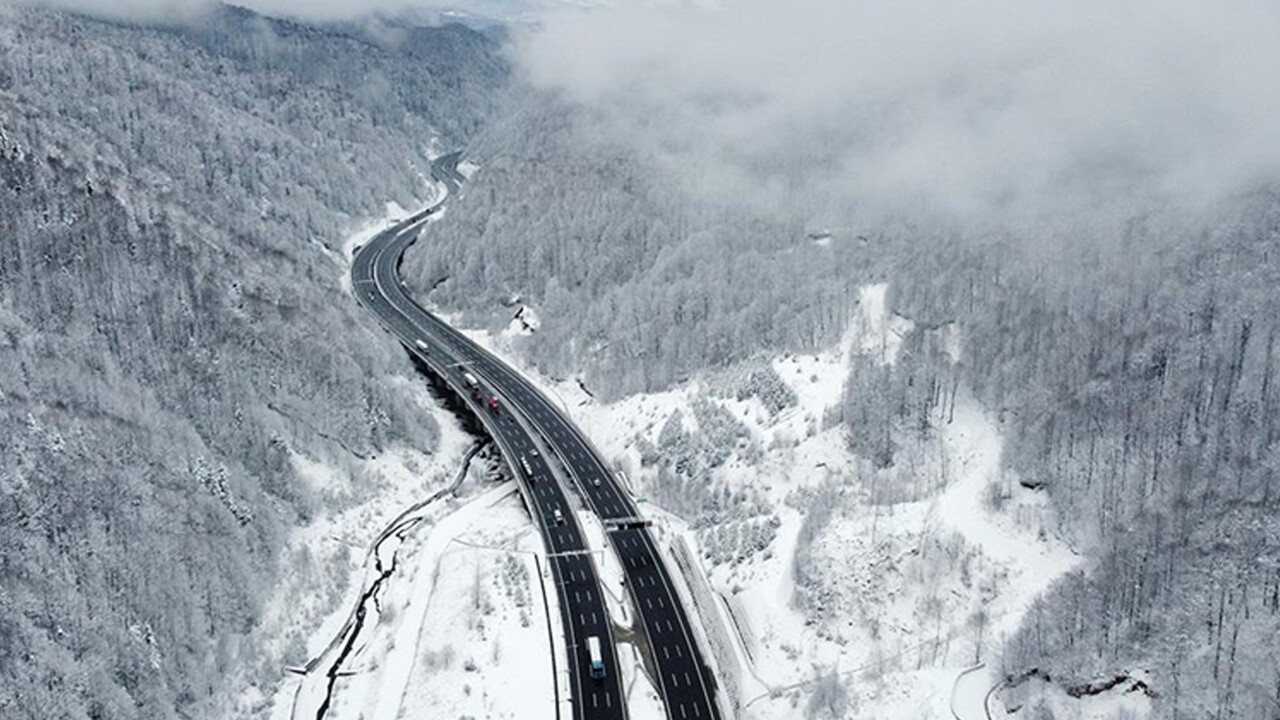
[[534, 452], [470, 379], [493, 404], [559, 517], [596, 482], [422, 345]]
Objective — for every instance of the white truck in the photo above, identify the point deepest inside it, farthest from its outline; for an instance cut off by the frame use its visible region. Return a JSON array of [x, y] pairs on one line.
[[597, 661]]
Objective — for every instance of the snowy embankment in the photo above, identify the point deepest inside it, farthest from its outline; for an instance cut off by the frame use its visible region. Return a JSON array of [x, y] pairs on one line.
[[458, 623], [320, 677], [323, 568], [363, 232], [913, 592], [463, 630]]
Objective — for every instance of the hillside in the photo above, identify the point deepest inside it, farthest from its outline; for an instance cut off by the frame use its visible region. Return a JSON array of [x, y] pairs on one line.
[[1130, 356], [175, 334], [638, 285]]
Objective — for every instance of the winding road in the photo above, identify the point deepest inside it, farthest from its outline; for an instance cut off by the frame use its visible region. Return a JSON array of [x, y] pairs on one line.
[[527, 428]]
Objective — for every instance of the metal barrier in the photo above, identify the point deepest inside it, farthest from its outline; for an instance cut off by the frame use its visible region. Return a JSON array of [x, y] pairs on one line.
[[704, 603]]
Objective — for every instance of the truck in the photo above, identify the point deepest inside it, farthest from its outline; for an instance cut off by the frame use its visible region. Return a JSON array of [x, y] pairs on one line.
[[597, 661]]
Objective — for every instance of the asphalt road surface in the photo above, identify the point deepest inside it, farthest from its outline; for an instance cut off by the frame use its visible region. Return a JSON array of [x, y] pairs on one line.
[[523, 417]]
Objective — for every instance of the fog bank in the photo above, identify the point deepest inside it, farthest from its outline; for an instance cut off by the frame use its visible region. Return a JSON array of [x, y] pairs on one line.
[[985, 111]]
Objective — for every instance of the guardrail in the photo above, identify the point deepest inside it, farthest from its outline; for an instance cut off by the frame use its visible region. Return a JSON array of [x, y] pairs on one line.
[[704, 604]]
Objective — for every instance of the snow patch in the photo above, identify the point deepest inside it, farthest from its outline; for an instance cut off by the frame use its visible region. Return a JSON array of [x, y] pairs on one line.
[[880, 331], [465, 634], [321, 565]]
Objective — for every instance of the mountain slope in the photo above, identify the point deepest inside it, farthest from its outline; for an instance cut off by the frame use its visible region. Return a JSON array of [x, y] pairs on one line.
[[173, 330]]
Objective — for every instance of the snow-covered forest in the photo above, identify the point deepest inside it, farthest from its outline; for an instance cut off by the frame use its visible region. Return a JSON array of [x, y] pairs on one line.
[[637, 284], [172, 201], [175, 339], [1133, 356], [1139, 373]]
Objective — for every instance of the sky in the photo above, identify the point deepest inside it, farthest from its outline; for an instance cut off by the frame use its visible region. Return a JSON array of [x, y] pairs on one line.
[[982, 109]]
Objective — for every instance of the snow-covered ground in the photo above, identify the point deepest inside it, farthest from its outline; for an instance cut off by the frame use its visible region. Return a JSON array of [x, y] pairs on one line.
[[467, 168], [323, 564], [913, 592], [463, 632]]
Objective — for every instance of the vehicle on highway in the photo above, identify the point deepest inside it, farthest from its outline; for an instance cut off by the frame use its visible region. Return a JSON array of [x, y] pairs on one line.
[[470, 379], [558, 516], [493, 404], [524, 462], [597, 662], [422, 345], [596, 482], [534, 452]]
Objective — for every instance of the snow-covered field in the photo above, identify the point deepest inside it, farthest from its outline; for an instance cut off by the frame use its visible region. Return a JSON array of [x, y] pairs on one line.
[[463, 631]]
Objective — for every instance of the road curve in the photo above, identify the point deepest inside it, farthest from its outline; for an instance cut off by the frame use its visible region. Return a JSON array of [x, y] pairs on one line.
[[526, 417]]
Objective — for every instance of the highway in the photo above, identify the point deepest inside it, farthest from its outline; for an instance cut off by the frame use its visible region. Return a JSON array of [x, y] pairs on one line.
[[524, 421]]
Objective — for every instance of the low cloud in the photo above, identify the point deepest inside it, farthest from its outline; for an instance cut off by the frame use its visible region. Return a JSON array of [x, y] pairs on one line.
[[984, 110], [316, 10]]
